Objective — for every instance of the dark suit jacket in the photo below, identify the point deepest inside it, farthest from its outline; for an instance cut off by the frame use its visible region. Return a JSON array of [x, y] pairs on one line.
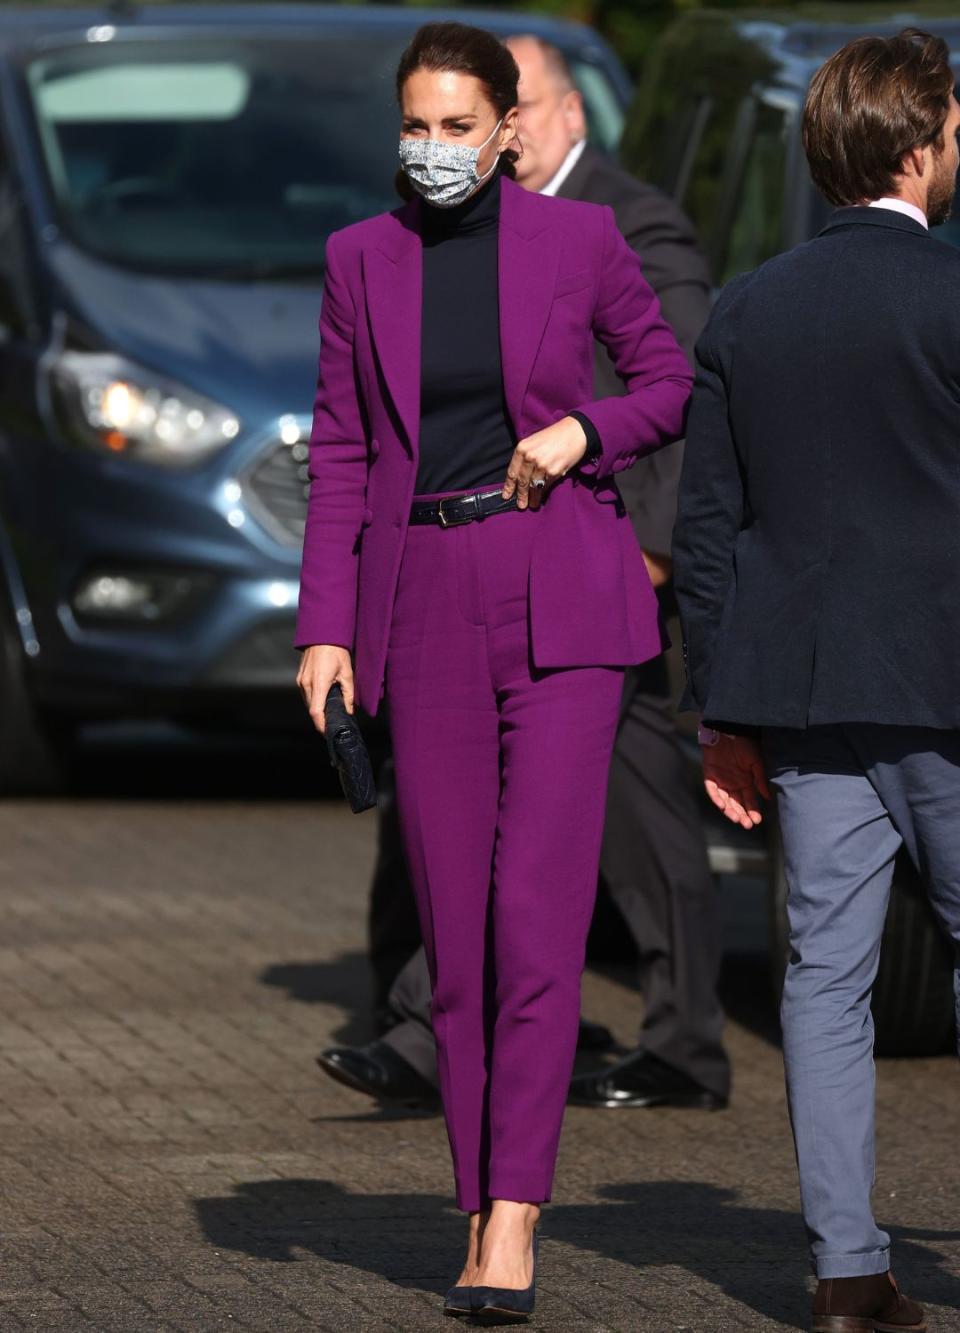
[[817, 547], [656, 229]]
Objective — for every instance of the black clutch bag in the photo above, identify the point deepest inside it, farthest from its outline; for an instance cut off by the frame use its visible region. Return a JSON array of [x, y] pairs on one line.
[[348, 754]]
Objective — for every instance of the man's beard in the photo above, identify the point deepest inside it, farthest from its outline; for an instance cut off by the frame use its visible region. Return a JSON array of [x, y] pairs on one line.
[[940, 199]]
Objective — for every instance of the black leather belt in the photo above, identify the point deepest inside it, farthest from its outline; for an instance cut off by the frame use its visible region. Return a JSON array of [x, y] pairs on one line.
[[457, 509]]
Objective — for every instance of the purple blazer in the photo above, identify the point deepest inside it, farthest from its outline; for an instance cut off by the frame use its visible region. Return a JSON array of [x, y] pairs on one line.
[[566, 276]]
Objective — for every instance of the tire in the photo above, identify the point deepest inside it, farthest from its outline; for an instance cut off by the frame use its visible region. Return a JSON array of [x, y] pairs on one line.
[[33, 750], [913, 1001]]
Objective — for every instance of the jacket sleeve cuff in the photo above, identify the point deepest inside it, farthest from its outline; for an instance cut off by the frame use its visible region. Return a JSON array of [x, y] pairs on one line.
[[745, 729], [313, 629], [594, 446]]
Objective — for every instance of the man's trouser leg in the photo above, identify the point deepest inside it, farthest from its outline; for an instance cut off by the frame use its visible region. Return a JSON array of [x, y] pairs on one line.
[[654, 864], [916, 771], [848, 796], [412, 1038], [393, 930], [839, 847]]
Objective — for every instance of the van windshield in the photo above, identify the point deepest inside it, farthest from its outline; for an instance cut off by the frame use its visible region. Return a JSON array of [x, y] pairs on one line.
[[226, 155], [217, 155]]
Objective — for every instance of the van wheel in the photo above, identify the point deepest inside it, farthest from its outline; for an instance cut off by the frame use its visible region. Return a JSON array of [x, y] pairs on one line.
[[913, 1000], [33, 749]]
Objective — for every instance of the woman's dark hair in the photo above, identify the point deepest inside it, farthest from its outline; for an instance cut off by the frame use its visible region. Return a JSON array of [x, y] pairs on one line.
[[868, 106], [464, 50]]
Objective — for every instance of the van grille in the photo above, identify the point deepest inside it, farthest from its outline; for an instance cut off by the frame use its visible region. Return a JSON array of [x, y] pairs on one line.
[[277, 487]]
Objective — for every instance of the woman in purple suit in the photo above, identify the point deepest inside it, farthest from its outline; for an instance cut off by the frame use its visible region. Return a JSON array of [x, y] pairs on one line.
[[467, 552]]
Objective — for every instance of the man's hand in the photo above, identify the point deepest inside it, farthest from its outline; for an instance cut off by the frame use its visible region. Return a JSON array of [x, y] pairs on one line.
[[659, 567], [546, 456], [734, 779]]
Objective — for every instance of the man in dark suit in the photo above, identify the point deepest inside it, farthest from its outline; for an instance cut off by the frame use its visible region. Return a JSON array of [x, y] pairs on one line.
[[816, 559], [654, 860]]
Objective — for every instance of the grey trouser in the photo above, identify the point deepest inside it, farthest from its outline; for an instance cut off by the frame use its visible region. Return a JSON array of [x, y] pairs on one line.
[[654, 862], [848, 797]]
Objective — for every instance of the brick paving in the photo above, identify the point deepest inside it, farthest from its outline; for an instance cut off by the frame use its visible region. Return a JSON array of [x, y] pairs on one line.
[[172, 1159]]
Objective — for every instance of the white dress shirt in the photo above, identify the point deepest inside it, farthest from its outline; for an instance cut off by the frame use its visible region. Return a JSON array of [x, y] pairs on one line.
[[566, 166], [901, 206]]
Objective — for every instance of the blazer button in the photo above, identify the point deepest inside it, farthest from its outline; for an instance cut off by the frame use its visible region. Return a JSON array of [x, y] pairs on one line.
[[367, 517], [375, 448]]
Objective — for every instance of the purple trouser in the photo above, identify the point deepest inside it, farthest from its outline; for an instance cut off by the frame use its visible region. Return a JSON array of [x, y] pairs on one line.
[[501, 780]]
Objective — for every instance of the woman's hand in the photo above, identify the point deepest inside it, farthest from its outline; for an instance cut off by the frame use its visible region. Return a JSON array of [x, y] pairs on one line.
[[322, 665], [545, 456]]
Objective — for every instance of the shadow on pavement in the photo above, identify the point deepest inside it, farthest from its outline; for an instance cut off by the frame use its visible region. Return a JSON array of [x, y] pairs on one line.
[[342, 981], [745, 990], [747, 995], [755, 1256]]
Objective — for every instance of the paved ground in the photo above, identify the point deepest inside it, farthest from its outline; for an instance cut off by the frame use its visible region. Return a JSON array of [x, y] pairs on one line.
[[171, 1158]]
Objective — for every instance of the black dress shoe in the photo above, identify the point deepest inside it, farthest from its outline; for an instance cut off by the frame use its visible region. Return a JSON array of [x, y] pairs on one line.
[[381, 1073], [641, 1079], [506, 1305], [593, 1036]]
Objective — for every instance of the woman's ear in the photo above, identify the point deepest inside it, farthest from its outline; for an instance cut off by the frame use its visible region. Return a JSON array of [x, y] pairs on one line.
[[509, 137]]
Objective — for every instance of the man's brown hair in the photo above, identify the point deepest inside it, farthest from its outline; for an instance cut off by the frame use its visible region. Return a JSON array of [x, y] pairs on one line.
[[868, 106]]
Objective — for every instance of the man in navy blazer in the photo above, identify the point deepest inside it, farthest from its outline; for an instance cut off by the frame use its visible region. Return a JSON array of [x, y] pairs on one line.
[[817, 568]]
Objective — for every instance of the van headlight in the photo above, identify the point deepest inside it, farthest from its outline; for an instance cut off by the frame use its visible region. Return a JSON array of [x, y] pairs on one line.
[[108, 403]]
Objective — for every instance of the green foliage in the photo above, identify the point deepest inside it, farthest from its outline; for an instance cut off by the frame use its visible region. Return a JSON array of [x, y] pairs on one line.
[[680, 76]]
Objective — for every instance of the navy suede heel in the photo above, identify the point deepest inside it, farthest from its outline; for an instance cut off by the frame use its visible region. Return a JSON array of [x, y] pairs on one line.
[[458, 1302], [506, 1305]]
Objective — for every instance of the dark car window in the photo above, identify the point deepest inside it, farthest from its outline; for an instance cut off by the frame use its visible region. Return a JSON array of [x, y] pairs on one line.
[[214, 154], [711, 125], [229, 154], [687, 110], [699, 186], [720, 127], [13, 264], [601, 103], [755, 214]]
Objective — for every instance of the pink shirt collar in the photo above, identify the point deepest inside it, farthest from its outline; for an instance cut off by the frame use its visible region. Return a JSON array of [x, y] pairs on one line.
[[901, 206]]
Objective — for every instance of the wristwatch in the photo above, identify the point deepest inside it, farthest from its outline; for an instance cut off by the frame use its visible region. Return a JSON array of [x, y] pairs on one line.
[[707, 735]]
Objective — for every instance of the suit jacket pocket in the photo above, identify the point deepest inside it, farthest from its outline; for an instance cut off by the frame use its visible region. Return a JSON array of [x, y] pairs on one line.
[[568, 283]]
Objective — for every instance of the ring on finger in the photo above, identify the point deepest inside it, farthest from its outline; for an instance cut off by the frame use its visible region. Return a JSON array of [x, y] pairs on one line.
[[539, 482]]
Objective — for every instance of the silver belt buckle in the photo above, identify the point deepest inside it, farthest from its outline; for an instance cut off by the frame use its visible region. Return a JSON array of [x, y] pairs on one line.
[[455, 522]]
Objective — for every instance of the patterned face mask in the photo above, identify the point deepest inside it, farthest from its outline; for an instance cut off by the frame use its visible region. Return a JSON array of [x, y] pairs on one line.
[[444, 173]]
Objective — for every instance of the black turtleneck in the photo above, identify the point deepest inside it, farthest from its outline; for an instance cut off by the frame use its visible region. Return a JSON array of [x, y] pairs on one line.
[[466, 437]]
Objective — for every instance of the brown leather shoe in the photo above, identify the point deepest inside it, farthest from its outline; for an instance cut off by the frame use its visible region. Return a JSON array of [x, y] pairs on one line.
[[864, 1305]]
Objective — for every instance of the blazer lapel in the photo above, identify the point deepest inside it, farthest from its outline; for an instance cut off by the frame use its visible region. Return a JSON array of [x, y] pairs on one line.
[[575, 184], [529, 256], [393, 278], [529, 259]]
